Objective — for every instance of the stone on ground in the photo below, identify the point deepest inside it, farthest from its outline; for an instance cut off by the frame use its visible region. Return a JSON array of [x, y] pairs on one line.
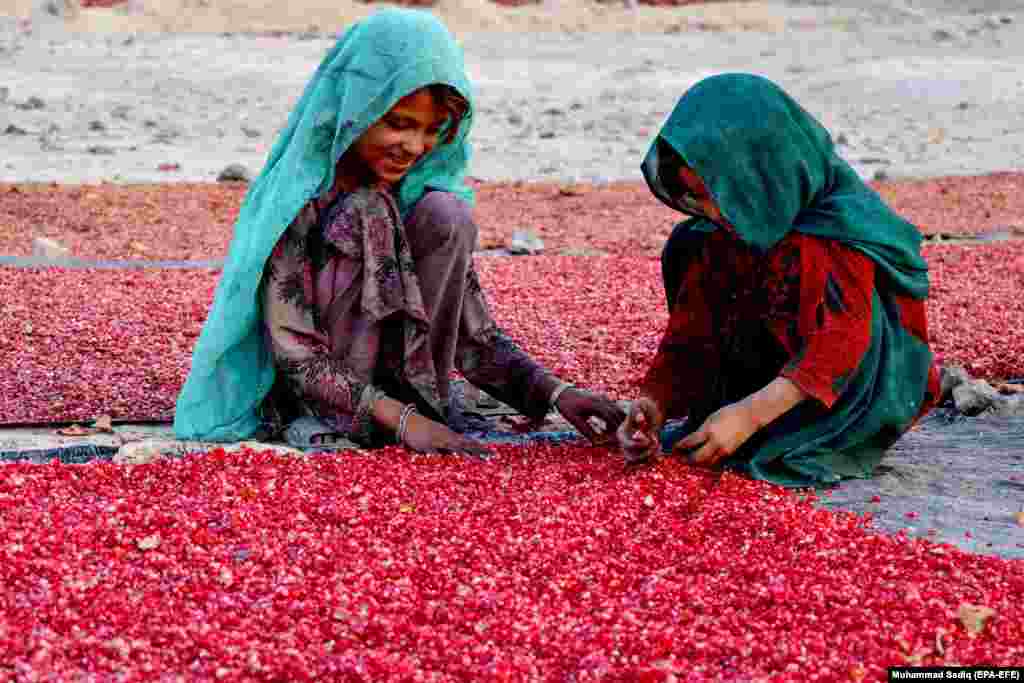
[[234, 173], [50, 250], [525, 242]]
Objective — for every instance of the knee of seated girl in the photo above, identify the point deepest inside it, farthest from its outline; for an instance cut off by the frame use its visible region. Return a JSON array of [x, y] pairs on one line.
[[442, 218]]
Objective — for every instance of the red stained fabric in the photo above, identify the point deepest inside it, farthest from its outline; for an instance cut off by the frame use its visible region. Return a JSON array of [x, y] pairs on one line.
[[813, 295], [835, 286], [914, 319]]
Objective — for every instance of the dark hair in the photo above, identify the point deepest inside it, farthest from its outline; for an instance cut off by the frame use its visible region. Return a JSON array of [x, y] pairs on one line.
[[452, 102]]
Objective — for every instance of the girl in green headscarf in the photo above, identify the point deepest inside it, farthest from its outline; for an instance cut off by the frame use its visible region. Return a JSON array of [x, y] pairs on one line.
[[349, 294], [797, 345]]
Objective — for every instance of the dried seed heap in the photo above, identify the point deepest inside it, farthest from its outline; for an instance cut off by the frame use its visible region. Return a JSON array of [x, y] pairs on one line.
[[79, 343], [194, 221], [552, 564]]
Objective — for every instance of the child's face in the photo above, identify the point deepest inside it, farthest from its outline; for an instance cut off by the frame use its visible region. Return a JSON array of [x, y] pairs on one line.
[[410, 129], [700, 197]]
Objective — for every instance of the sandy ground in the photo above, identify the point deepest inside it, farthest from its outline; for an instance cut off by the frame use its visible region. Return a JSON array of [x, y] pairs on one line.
[[953, 480], [908, 90], [462, 16]]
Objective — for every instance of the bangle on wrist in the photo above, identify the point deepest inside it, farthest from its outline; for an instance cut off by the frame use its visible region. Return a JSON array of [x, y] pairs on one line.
[[557, 393], [403, 421]]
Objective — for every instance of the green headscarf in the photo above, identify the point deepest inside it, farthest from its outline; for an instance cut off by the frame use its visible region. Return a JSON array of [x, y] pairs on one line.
[[772, 169], [378, 61]]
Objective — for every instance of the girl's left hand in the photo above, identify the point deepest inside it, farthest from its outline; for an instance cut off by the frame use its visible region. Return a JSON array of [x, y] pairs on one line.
[[720, 436]]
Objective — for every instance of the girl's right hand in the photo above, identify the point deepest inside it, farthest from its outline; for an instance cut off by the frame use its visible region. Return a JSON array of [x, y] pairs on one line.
[[638, 434], [426, 436]]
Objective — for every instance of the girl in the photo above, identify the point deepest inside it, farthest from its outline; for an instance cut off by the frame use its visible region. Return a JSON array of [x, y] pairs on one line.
[[349, 294], [797, 345]]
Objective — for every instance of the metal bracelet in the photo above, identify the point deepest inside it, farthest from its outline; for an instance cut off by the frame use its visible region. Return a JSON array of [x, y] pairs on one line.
[[403, 421], [557, 393]]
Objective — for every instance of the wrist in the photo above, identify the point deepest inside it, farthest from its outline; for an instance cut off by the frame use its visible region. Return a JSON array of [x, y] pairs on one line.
[[386, 411], [754, 417], [778, 397]]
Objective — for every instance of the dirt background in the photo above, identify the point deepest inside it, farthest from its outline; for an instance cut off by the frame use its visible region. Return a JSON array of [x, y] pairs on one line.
[[462, 16], [567, 91], [953, 480]]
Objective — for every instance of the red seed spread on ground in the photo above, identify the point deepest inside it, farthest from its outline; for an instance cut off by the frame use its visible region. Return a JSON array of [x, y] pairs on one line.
[[544, 565], [547, 564], [81, 343], [194, 221]]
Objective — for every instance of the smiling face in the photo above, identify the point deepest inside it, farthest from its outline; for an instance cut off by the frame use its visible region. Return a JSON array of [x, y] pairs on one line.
[[400, 138]]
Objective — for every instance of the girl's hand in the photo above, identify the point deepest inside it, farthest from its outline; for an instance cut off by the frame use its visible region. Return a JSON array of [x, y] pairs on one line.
[[578, 407], [720, 436], [426, 436], [638, 434], [729, 427]]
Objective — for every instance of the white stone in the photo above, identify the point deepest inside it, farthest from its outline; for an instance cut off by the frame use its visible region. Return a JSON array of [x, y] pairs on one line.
[[149, 450], [525, 242], [50, 250]]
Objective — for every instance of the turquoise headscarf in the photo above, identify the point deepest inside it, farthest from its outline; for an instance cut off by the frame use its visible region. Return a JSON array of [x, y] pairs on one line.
[[378, 61], [772, 169]]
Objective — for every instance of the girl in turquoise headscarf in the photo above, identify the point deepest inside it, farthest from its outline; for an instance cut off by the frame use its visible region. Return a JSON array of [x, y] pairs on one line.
[[797, 346], [349, 294]]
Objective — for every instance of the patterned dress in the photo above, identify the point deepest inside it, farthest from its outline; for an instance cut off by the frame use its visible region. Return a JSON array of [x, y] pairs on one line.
[[360, 304]]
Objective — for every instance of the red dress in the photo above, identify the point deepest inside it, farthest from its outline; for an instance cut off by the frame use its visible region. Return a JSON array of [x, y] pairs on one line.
[[740, 319]]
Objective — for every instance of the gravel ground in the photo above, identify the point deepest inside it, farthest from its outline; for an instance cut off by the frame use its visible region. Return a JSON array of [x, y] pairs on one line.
[[954, 480]]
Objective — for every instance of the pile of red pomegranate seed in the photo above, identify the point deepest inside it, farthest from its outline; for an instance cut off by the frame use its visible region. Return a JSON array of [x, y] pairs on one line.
[[194, 221], [976, 310], [545, 564], [75, 344]]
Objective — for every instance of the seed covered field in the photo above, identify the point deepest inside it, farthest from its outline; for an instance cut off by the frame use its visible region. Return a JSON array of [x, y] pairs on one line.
[[544, 564], [548, 564], [81, 343]]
